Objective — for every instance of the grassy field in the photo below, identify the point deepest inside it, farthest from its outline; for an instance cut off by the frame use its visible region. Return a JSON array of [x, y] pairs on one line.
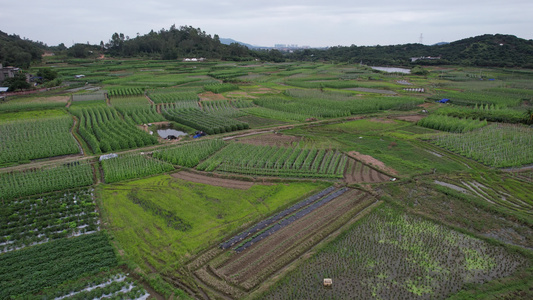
[[141, 215]]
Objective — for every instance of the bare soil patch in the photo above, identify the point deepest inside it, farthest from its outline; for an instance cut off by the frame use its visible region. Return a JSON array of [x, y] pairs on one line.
[[228, 183], [207, 96], [381, 120], [362, 173], [240, 95], [410, 118], [372, 161]]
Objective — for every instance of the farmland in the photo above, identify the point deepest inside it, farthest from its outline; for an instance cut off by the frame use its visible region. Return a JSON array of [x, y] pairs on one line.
[[395, 255], [304, 171]]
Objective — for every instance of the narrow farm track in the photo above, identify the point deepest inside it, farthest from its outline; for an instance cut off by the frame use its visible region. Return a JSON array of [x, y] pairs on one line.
[[75, 126], [198, 178]]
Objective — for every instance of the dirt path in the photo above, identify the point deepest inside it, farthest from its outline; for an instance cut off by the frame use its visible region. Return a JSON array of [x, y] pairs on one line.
[[74, 126], [198, 178], [367, 159]]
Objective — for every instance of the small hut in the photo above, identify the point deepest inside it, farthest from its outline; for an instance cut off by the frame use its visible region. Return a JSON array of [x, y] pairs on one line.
[[328, 282]]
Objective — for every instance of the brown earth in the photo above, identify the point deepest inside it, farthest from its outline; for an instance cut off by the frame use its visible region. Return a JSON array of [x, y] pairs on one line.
[[381, 120], [227, 183], [363, 173], [410, 118], [367, 159], [207, 96], [240, 95], [248, 267]]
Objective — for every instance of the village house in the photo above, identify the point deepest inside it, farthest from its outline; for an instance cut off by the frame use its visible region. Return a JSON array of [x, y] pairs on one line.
[[7, 72]]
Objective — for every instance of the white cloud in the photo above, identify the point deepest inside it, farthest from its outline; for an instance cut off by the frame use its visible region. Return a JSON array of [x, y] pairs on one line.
[[312, 22]]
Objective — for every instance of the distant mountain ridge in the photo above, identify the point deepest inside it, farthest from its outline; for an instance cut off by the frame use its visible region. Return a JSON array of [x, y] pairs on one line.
[[229, 41]]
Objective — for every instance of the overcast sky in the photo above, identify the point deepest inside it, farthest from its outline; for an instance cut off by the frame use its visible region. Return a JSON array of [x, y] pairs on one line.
[[265, 23]]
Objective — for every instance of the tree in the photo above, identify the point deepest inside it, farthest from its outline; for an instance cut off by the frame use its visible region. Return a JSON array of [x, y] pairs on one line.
[[47, 74], [18, 82], [529, 116], [418, 70]]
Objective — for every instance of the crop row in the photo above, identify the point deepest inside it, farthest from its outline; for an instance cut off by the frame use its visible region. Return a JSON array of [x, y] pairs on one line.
[[472, 98], [265, 223], [173, 95], [275, 114], [451, 124], [11, 106], [277, 161], [179, 105], [130, 101], [308, 106], [219, 88], [37, 181], [392, 255], [104, 130], [25, 140], [142, 115], [105, 285], [287, 220], [489, 112], [29, 270], [189, 155], [208, 123], [251, 267], [100, 96], [132, 166], [125, 92], [241, 103], [221, 108], [38, 219], [495, 145], [326, 108]]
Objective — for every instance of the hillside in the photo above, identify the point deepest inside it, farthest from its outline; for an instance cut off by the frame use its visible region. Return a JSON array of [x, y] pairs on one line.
[[485, 50], [18, 52]]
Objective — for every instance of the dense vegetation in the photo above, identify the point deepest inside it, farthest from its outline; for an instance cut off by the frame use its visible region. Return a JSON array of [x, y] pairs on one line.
[[18, 52], [30, 270], [485, 50], [295, 154]]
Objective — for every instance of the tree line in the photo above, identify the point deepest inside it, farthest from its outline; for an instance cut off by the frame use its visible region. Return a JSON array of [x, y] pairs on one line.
[[186, 41]]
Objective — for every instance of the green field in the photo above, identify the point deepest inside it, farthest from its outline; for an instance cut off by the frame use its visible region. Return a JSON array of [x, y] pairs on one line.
[[162, 221], [439, 199]]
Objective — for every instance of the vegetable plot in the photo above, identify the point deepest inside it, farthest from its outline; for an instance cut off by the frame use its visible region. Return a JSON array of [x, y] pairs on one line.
[[208, 123], [104, 130], [132, 166], [393, 255], [36, 220], [496, 145], [116, 286], [38, 181], [277, 161], [189, 155], [451, 124], [30, 270], [25, 140]]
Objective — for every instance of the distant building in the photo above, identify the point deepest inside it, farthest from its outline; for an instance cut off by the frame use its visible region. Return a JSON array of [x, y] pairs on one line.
[[194, 59], [8, 72], [413, 59]]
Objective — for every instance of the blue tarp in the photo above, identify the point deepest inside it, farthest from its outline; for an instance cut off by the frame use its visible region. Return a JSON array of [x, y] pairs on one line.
[[444, 100]]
